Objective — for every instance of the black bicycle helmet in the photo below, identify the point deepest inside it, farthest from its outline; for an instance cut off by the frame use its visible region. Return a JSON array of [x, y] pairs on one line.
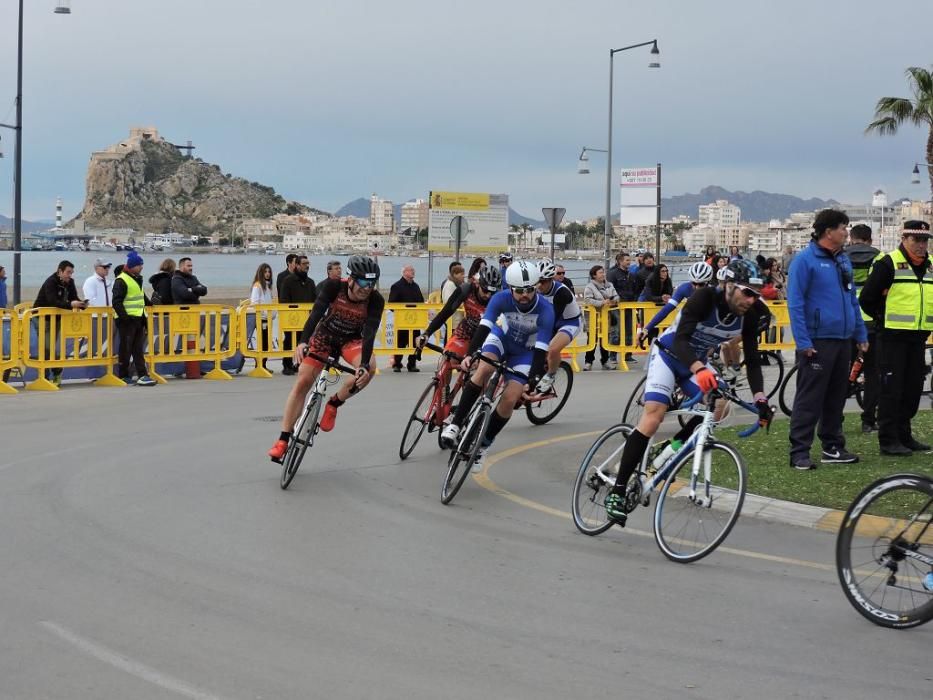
[[363, 267], [745, 273], [489, 278]]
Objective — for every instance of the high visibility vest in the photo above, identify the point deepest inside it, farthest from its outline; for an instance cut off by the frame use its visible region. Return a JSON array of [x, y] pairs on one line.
[[135, 301], [859, 277], [909, 303]]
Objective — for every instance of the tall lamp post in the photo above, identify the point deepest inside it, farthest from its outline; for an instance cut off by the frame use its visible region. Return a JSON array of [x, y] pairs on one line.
[[63, 7], [654, 63]]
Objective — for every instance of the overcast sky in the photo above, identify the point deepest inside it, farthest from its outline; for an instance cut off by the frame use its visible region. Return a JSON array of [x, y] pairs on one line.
[[332, 100]]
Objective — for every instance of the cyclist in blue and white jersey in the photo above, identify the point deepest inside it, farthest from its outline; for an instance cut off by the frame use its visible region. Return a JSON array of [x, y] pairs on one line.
[[679, 358], [527, 322], [700, 275], [567, 315]]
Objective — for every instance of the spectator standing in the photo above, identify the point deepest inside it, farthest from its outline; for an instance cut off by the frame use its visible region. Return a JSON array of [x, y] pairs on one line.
[[825, 318], [407, 291], [599, 292], [863, 254], [453, 282], [636, 264], [297, 288], [774, 280], [261, 293], [505, 259], [734, 253], [3, 297], [898, 294], [622, 278], [98, 289], [290, 263], [560, 274], [658, 287], [645, 270], [788, 256], [334, 271], [186, 289], [58, 291], [162, 283], [129, 303]]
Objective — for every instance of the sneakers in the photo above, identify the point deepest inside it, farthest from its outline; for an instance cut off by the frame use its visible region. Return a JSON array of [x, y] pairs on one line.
[[279, 448], [838, 455], [478, 460], [414, 368], [397, 368], [896, 450], [587, 367], [915, 446], [450, 435], [803, 463], [329, 417], [611, 365], [146, 380], [130, 381], [615, 508]]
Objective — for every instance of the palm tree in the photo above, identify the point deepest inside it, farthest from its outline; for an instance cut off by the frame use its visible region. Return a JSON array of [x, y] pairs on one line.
[[891, 112]]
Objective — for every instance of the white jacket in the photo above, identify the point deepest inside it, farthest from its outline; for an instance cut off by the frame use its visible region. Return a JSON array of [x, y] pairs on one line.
[[596, 295], [97, 291]]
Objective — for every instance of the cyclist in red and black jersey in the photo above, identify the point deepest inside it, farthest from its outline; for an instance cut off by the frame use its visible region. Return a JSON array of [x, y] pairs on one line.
[[343, 323], [473, 295]]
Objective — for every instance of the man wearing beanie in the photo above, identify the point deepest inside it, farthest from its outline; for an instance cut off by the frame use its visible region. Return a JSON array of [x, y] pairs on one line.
[[129, 303], [898, 295]]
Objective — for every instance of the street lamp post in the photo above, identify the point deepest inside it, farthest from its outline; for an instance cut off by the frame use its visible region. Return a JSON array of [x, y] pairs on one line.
[[653, 64], [915, 179], [63, 7]]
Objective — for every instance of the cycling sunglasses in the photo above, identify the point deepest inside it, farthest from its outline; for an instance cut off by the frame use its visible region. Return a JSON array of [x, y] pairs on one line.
[[524, 290], [748, 291], [365, 284]]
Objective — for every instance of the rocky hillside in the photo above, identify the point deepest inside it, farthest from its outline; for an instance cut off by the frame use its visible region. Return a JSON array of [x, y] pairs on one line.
[[146, 183], [755, 206]]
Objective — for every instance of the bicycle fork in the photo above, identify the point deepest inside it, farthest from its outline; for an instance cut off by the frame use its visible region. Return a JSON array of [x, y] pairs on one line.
[[702, 459]]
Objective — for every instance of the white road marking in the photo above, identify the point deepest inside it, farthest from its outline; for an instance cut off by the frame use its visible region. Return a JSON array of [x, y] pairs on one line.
[[124, 663]]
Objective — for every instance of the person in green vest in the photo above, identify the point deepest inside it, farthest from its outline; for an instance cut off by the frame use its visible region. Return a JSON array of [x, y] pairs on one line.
[[129, 303], [898, 295], [862, 254]]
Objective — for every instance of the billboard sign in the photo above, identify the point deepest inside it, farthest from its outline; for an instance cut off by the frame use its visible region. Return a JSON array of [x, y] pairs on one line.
[[639, 200], [470, 222]]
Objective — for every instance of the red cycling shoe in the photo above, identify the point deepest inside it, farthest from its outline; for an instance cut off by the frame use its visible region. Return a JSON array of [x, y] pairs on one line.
[[329, 417], [278, 451]]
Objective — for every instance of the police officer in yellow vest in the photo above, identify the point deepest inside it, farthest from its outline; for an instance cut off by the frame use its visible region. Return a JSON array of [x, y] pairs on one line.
[[899, 296], [862, 254], [129, 303]]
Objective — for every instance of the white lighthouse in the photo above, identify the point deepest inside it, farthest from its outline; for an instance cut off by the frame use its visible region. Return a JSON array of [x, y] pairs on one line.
[[58, 213]]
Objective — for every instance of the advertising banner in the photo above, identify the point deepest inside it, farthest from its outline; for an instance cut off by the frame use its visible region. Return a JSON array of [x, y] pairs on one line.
[[470, 222]]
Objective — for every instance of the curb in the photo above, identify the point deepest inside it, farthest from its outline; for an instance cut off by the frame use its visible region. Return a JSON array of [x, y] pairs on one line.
[[790, 513]]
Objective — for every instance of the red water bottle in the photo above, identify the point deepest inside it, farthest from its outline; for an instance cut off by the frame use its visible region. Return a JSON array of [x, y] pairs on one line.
[[856, 368]]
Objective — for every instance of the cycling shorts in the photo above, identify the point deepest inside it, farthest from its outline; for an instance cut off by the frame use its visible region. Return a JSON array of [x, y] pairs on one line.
[[461, 346], [518, 358], [350, 350], [665, 373], [571, 327]]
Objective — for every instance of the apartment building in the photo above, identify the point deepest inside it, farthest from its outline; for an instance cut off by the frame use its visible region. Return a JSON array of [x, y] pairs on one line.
[[721, 214], [381, 214], [414, 215]]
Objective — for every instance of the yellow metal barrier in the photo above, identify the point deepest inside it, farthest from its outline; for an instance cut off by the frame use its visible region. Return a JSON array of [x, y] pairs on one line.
[[632, 315], [9, 347], [191, 334], [282, 321], [67, 339]]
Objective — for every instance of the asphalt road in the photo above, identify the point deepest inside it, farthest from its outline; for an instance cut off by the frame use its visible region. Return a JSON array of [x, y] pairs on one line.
[[148, 552]]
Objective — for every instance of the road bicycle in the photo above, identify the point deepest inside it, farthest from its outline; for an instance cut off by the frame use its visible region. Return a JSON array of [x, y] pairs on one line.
[[772, 373], [435, 404], [308, 424], [463, 454], [788, 391], [700, 488], [884, 551]]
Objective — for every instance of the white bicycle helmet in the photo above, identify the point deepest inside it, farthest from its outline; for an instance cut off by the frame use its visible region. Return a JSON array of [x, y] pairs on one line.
[[701, 272], [547, 269], [522, 273], [721, 274]]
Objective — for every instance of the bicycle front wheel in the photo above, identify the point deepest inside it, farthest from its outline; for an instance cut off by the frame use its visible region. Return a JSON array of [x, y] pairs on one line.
[[419, 419], [302, 439], [595, 478], [540, 412], [788, 391], [691, 520], [884, 551], [462, 456]]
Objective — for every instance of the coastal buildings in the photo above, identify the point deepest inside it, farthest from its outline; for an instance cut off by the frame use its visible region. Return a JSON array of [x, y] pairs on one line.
[[720, 214], [381, 214], [414, 215]]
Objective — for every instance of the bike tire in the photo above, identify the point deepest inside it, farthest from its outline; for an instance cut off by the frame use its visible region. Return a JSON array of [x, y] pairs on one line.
[[589, 490], [874, 533], [635, 405], [788, 391], [302, 439], [422, 414], [460, 462], [675, 511], [540, 412], [772, 373]]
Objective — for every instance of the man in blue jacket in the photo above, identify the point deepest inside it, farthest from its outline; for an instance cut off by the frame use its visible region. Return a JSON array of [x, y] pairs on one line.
[[825, 318]]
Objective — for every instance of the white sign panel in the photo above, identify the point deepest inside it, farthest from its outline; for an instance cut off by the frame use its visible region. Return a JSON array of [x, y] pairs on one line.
[[639, 177], [639, 216], [479, 220]]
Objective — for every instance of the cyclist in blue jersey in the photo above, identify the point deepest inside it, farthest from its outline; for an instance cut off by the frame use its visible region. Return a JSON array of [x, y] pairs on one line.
[[679, 358], [567, 314], [527, 322], [700, 275]]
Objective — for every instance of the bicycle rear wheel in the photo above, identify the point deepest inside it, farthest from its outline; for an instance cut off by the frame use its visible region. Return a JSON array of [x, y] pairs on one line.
[[540, 412], [590, 489], [421, 416], [302, 439], [788, 391], [462, 456], [635, 405], [688, 528], [885, 536]]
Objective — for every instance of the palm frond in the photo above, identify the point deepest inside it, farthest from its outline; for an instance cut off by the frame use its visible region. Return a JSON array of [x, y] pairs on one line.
[[886, 126], [921, 82], [890, 113]]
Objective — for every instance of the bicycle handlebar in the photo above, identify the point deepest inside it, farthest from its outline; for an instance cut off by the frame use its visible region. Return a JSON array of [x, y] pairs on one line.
[[726, 392], [330, 362], [438, 349], [500, 364]]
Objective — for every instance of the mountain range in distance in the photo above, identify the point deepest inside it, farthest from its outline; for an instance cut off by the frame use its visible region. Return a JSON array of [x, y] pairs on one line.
[[6, 224], [755, 206]]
